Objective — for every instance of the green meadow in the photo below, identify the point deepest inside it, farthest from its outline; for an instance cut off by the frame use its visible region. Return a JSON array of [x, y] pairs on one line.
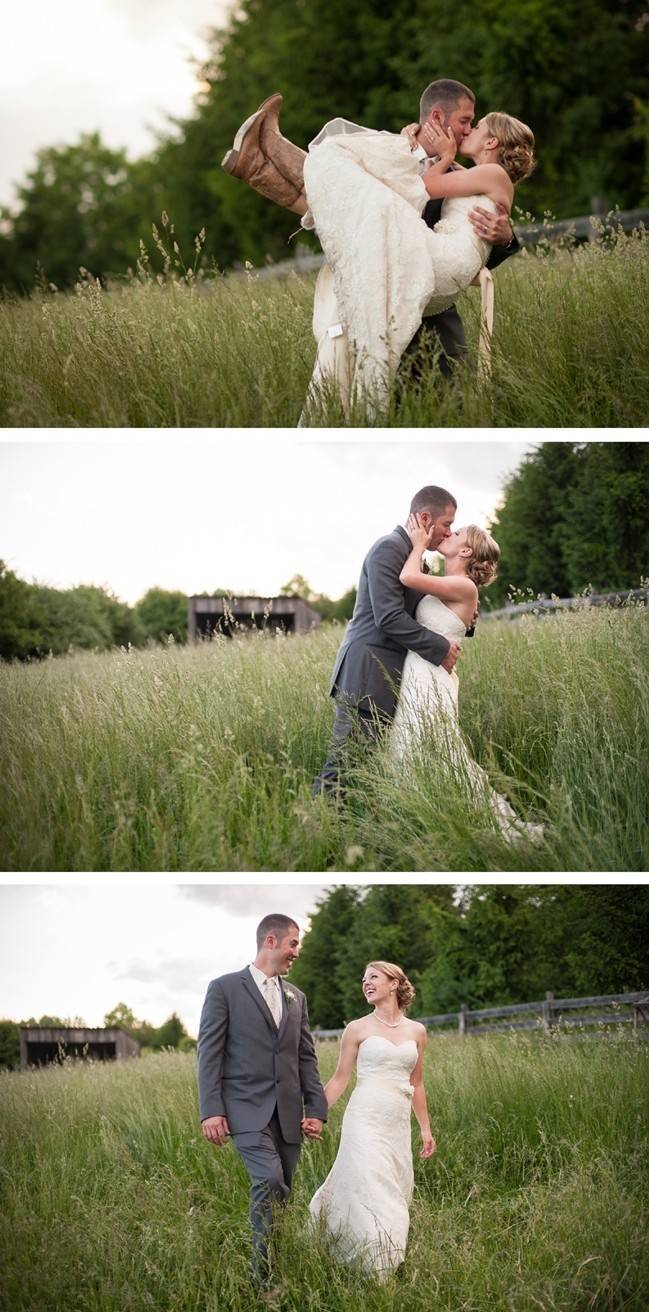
[[201, 757], [535, 1199], [570, 349]]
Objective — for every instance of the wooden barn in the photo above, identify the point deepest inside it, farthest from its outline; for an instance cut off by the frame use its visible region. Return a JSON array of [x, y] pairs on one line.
[[228, 615], [41, 1045]]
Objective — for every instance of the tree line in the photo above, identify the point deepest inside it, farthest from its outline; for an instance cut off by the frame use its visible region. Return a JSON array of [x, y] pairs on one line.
[[36, 620], [575, 515], [88, 205], [171, 1034], [489, 946]]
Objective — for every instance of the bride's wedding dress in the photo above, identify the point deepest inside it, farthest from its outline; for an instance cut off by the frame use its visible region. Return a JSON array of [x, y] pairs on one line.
[[428, 696], [384, 267], [363, 1203]]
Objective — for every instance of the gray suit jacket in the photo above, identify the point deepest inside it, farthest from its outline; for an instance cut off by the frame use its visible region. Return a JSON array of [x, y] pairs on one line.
[[247, 1067], [370, 658]]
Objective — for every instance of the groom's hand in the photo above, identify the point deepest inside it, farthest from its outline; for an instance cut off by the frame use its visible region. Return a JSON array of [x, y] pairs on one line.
[[449, 661], [494, 228], [216, 1130], [311, 1127]]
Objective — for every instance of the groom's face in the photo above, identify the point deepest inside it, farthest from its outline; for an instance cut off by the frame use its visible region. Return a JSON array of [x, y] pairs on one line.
[[286, 951], [439, 526], [459, 121]]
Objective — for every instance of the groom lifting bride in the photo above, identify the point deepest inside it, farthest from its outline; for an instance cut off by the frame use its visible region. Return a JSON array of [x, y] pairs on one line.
[[391, 281]]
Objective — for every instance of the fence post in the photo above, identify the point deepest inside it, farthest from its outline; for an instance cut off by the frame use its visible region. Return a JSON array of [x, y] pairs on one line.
[[462, 1020], [547, 1011]]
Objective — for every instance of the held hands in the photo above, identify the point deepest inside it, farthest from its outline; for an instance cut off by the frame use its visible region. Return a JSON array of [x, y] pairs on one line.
[[311, 1127], [216, 1130], [494, 228], [428, 1145]]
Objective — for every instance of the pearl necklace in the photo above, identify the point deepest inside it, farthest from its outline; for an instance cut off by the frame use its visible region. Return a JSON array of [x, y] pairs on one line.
[[391, 1024]]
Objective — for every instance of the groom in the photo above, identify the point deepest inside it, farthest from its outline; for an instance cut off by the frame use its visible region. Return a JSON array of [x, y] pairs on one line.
[[258, 1075], [382, 629]]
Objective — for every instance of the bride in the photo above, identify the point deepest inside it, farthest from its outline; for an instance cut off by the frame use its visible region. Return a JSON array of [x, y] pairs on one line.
[[428, 694], [363, 1204]]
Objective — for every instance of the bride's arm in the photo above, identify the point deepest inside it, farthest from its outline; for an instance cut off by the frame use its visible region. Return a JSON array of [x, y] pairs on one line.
[[419, 1106], [483, 180], [346, 1059], [457, 587]]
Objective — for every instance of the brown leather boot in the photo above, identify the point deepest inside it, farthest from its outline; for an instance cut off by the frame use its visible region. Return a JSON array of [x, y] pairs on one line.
[[266, 160]]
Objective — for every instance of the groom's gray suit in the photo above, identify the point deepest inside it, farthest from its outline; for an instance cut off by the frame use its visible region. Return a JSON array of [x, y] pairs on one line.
[[366, 675], [261, 1078]]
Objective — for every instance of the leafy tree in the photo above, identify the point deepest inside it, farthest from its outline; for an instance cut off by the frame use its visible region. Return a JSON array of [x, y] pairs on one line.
[[9, 1045], [315, 969], [574, 514], [161, 613]]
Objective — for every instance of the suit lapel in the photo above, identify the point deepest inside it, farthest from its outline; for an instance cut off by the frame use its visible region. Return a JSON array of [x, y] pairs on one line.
[[251, 988], [286, 1007]]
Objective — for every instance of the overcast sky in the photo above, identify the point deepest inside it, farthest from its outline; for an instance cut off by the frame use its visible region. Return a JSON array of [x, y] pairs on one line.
[[77, 950], [239, 512], [114, 66]]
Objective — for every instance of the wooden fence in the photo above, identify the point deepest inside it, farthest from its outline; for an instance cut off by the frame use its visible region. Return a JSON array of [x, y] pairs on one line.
[[568, 603], [549, 1015], [586, 227]]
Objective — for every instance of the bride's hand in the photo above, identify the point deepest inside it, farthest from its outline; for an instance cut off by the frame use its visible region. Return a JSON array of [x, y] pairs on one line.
[[428, 1145], [418, 535], [438, 141], [411, 131]]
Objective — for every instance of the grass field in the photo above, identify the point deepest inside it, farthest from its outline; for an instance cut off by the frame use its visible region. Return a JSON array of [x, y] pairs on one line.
[[570, 349], [536, 1200], [201, 758]]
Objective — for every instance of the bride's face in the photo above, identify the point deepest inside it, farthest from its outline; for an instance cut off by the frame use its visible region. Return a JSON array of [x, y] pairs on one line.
[[477, 139], [377, 986], [452, 546]]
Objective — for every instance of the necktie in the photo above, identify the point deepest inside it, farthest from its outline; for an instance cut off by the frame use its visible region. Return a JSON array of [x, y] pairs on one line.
[[272, 998]]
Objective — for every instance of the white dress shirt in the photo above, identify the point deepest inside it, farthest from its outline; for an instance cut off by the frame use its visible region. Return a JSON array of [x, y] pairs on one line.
[[273, 982]]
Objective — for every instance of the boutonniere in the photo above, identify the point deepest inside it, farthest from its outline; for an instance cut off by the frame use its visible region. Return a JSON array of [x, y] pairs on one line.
[[290, 997]]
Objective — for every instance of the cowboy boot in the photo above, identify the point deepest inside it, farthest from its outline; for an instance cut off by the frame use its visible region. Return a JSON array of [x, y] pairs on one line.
[[266, 160]]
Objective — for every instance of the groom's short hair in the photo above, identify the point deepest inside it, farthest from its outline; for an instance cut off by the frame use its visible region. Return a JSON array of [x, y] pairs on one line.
[[444, 94], [435, 499], [275, 924]]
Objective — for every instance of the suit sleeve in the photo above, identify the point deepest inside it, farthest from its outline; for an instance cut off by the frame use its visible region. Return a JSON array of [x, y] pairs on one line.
[[211, 1045], [384, 566], [501, 253], [315, 1103]]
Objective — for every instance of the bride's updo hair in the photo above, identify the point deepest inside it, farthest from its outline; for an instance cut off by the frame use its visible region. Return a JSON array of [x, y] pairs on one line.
[[516, 144], [486, 554], [405, 990]]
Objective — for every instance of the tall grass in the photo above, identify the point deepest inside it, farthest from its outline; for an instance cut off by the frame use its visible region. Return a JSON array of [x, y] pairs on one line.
[[201, 758], [536, 1198], [570, 349]]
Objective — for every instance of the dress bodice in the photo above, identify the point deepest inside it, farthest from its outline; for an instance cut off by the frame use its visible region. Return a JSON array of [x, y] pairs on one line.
[[434, 614], [391, 1063], [455, 219]]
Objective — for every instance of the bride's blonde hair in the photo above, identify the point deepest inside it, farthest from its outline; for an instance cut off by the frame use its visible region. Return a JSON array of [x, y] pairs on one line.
[[516, 144], [482, 567], [405, 991]]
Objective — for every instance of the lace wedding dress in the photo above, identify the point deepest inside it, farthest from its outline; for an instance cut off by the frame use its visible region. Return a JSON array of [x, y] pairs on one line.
[[363, 1203], [428, 701], [385, 267]]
